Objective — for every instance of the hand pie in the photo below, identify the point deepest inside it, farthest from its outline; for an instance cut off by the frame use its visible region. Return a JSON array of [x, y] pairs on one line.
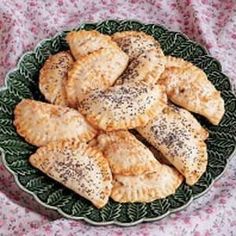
[[40, 123], [53, 76], [178, 142], [156, 153], [147, 67], [189, 121], [84, 42], [123, 106], [135, 43], [78, 167], [125, 154], [177, 62], [98, 70], [146, 187], [189, 87]]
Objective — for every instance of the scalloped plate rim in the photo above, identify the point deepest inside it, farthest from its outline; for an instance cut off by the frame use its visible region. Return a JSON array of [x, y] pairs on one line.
[[2, 152]]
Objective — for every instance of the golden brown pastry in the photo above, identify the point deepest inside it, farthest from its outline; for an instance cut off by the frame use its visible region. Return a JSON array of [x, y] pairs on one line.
[[75, 165], [84, 42], [134, 43], [176, 62], [98, 70], [40, 123], [179, 143], [123, 106], [146, 187], [157, 154], [188, 87], [147, 67], [53, 76], [126, 154], [189, 121]]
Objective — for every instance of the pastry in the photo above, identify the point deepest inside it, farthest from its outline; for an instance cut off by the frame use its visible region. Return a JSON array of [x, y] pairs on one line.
[[126, 154], [98, 70], [146, 187], [147, 67], [189, 88], [40, 123], [135, 43], [176, 62], [123, 106], [189, 121], [53, 76], [178, 142], [78, 167], [84, 42]]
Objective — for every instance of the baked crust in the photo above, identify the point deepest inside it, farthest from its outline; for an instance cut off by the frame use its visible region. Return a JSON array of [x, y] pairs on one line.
[[40, 123], [80, 168], [123, 106]]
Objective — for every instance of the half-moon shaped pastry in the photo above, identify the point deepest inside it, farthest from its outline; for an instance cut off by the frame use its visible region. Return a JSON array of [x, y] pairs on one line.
[[126, 154], [53, 76], [98, 70], [189, 121], [189, 87], [40, 123], [135, 43], [157, 154], [178, 142], [123, 106], [147, 67], [146, 187], [83, 42], [78, 167], [176, 62]]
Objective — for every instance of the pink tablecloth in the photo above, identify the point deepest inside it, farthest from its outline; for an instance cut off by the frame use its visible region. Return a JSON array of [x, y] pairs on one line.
[[211, 23]]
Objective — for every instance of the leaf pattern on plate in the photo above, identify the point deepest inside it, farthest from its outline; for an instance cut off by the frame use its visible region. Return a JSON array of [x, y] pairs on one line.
[[136, 211], [81, 209]]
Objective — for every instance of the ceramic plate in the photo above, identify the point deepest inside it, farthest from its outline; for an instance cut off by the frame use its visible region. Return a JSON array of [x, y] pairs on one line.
[[22, 82]]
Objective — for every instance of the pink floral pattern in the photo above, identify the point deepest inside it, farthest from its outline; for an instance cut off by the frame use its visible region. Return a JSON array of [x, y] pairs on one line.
[[211, 23]]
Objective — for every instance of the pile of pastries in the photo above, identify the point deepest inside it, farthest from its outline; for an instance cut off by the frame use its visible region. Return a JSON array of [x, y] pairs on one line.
[[98, 91]]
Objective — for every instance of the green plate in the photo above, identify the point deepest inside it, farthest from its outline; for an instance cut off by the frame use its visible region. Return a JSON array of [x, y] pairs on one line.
[[22, 82]]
